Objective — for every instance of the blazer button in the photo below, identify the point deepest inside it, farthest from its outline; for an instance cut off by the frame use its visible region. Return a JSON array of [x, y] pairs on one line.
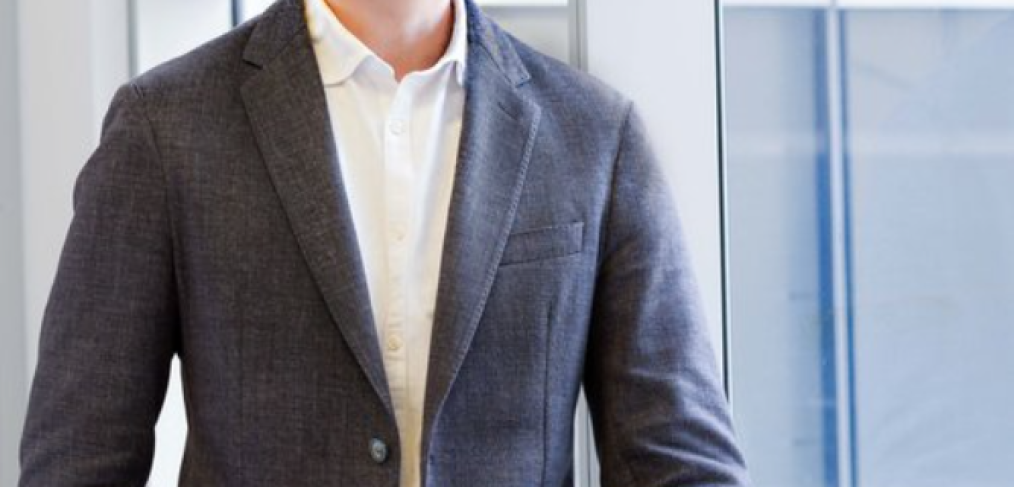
[[378, 450]]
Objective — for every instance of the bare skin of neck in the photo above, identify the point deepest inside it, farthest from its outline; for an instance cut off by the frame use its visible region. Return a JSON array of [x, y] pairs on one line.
[[410, 35]]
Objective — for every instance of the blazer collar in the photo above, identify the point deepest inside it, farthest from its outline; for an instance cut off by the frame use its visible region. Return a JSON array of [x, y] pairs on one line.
[[286, 103]]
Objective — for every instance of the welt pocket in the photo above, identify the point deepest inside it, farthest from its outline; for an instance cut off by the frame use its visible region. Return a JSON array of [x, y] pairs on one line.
[[543, 243]]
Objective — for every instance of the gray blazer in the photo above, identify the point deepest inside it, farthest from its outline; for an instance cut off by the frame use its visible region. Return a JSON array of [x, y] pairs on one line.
[[211, 223]]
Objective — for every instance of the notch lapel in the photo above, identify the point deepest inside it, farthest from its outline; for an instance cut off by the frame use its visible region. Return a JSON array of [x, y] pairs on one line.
[[287, 107], [498, 134]]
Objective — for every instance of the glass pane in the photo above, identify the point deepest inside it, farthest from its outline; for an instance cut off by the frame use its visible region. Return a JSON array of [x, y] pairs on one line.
[[774, 143], [931, 158], [869, 158]]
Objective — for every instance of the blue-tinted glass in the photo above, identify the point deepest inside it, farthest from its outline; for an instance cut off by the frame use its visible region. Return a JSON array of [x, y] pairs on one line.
[[774, 141], [870, 161], [931, 149]]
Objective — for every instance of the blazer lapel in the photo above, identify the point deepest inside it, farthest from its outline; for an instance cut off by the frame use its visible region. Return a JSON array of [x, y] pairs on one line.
[[287, 107], [496, 143]]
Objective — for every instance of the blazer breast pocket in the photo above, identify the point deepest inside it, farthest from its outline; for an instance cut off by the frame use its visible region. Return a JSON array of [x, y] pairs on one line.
[[543, 243]]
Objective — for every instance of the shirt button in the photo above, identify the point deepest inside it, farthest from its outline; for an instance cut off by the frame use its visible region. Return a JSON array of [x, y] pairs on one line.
[[378, 450], [394, 343], [397, 127]]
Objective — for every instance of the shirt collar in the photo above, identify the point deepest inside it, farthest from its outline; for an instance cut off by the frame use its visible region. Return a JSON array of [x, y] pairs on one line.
[[340, 53]]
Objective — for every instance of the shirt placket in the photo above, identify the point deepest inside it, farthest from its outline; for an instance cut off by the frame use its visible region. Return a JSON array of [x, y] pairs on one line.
[[398, 191]]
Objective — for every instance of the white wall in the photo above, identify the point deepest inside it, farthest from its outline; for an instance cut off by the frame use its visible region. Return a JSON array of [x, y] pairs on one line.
[[64, 95], [164, 29], [546, 28], [12, 353], [70, 57]]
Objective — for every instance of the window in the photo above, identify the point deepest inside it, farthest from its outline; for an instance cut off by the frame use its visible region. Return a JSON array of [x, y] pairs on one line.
[[869, 158]]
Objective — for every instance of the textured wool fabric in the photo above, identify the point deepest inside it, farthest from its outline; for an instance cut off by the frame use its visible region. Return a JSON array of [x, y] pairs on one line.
[[211, 223]]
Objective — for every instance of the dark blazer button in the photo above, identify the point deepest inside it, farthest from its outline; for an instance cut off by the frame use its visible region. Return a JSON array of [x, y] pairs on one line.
[[378, 450]]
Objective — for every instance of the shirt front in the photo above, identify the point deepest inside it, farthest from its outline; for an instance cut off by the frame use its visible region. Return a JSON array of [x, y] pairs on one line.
[[397, 144]]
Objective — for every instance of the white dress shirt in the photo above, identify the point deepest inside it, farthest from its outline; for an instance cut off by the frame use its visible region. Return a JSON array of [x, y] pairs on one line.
[[397, 146]]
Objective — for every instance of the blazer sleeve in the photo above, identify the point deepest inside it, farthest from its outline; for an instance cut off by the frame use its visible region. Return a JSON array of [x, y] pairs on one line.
[[659, 413], [110, 326]]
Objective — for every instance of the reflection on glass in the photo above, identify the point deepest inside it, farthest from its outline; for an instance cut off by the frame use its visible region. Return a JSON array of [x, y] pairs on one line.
[[870, 156]]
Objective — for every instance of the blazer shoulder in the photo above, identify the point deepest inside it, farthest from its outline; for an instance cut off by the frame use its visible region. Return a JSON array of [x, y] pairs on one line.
[[216, 63], [568, 90]]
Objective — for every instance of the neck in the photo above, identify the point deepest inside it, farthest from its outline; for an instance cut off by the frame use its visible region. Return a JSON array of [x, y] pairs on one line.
[[410, 35]]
